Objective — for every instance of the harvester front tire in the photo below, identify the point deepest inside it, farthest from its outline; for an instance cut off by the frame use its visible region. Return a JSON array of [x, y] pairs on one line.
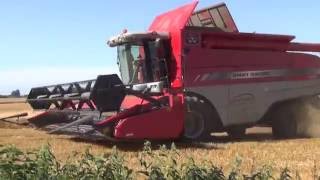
[[198, 119]]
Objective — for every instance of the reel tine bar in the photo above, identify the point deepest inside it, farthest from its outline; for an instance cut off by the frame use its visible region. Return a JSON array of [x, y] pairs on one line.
[[72, 95]]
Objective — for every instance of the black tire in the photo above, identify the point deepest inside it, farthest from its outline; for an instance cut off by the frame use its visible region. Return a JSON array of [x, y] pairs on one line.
[[199, 118], [297, 118], [284, 122], [236, 132], [308, 124]]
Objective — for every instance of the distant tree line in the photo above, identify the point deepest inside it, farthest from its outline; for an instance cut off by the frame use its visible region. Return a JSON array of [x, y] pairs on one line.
[[14, 93]]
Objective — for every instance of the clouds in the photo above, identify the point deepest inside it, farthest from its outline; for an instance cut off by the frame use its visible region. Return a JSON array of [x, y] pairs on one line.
[[26, 78]]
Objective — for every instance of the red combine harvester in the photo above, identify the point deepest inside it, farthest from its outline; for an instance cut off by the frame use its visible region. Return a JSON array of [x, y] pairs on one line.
[[192, 73]]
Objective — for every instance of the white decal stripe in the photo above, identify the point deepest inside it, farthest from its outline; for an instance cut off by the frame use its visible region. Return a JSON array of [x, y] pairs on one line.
[[256, 74]]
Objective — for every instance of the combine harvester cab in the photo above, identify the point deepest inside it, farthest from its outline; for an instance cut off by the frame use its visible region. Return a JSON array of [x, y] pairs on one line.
[[190, 74]]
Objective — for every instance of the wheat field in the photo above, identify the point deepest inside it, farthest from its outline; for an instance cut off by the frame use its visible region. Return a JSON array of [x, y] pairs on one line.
[[258, 149]]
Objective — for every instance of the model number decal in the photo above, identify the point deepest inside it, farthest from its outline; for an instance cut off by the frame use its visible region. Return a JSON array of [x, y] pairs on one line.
[[255, 74], [250, 74]]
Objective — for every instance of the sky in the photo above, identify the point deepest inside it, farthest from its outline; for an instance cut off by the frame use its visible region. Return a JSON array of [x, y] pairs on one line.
[[44, 42]]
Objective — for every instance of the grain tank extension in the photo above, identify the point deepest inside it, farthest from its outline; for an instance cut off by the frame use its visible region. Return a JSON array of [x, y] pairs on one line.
[[192, 73]]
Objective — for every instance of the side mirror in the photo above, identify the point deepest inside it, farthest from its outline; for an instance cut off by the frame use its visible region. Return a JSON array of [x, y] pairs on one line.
[[158, 43], [160, 48]]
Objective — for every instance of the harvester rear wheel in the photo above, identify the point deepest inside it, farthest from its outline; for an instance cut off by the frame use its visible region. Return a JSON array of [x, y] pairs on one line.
[[284, 122], [296, 118], [198, 119]]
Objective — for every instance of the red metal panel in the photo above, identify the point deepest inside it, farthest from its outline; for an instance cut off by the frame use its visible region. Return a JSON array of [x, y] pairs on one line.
[[173, 22], [248, 36], [239, 41], [163, 123], [308, 47], [219, 63]]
